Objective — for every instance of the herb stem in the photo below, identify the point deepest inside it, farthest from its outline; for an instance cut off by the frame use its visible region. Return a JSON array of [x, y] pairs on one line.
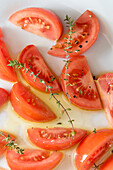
[[18, 65]]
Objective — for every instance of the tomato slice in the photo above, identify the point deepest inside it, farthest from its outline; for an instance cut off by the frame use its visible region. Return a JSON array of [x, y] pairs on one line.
[[6, 73], [55, 138], [33, 159], [29, 106], [3, 148], [82, 91], [108, 164], [86, 31], [39, 21], [1, 34], [31, 56], [105, 87], [4, 95], [92, 148]]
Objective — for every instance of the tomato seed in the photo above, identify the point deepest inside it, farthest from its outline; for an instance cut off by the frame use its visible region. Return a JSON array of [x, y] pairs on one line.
[[40, 21], [47, 27]]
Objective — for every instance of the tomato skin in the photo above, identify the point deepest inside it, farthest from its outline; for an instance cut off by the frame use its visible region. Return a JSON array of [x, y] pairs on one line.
[[6, 72], [39, 20], [29, 106], [37, 64], [1, 34], [3, 148], [108, 164], [32, 159], [104, 84], [81, 80], [52, 141], [4, 95], [86, 31], [92, 148]]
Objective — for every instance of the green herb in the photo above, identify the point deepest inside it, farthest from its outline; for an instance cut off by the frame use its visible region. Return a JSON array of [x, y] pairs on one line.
[[90, 16], [11, 144], [94, 131], [67, 49], [16, 64], [81, 92], [97, 166]]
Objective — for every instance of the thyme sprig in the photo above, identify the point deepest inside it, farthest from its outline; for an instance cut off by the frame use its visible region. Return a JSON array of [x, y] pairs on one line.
[[19, 65], [68, 42], [96, 167], [11, 144]]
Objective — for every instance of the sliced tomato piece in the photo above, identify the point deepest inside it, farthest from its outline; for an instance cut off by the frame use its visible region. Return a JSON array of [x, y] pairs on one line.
[[108, 164], [105, 87], [4, 95], [39, 21], [1, 34], [92, 148], [31, 56], [3, 142], [6, 72], [55, 138], [86, 31], [33, 159], [80, 84], [29, 106]]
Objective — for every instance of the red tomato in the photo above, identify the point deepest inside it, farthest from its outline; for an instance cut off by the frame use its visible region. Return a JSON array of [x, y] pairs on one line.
[[108, 164], [29, 106], [82, 91], [4, 95], [1, 34], [31, 56], [33, 159], [3, 143], [105, 87], [55, 138], [39, 21], [86, 31], [92, 148], [6, 72]]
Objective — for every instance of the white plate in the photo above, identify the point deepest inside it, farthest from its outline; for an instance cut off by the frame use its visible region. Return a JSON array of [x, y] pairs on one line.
[[99, 56]]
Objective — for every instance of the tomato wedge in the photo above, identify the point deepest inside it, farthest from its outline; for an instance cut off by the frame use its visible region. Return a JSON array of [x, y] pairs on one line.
[[3, 142], [6, 73], [80, 85], [105, 87], [33, 159], [92, 148], [31, 56], [39, 21], [29, 106], [55, 138], [86, 31], [4, 95], [108, 164], [1, 33]]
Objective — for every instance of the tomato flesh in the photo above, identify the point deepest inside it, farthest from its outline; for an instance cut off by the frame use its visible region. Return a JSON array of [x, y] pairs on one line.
[[92, 148], [86, 31], [33, 159], [6, 73], [3, 148], [39, 21], [4, 95], [31, 56], [55, 138], [29, 106], [105, 87], [82, 91], [108, 164]]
